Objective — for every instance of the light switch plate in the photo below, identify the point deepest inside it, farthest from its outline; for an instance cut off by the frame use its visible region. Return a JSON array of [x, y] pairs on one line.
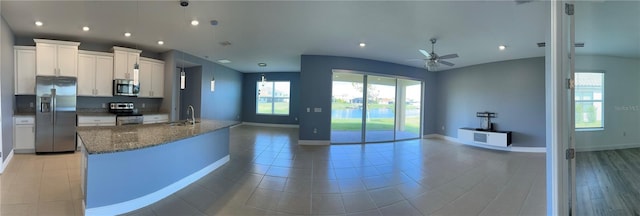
[[317, 109]]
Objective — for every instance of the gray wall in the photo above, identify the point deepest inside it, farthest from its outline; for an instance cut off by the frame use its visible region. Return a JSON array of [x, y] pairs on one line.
[[7, 89], [223, 104], [315, 91], [621, 103], [514, 90], [190, 95], [249, 98]]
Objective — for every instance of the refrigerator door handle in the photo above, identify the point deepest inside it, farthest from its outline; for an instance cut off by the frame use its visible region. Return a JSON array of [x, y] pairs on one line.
[[53, 106]]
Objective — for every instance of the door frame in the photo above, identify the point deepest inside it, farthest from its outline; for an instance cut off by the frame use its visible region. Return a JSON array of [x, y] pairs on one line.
[[558, 107]]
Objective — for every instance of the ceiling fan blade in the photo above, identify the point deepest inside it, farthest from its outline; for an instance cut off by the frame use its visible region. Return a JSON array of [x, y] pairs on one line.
[[446, 63], [450, 56], [425, 53]]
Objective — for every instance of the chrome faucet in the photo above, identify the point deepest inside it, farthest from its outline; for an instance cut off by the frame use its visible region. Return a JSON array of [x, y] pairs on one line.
[[193, 118]]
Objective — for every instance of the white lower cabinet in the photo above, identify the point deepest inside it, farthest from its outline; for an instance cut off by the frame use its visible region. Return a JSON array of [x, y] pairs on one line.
[[84, 121], [155, 118], [489, 138], [24, 134]]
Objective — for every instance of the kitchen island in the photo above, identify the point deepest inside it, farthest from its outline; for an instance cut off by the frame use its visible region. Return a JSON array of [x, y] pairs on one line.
[[132, 166]]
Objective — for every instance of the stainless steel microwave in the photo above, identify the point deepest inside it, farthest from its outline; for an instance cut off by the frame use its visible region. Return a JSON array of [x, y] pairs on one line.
[[125, 87]]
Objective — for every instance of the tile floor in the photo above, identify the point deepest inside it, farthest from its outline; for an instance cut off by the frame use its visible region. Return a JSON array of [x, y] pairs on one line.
[[269, 174], [41, 185]]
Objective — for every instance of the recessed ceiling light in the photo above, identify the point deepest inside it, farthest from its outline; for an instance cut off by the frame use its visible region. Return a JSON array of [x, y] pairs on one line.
[[194, 22], [127, 34], [224, 61], [261, 64], [85, 28], [363, 44], [160, 42], [502, 47], [38, 23]]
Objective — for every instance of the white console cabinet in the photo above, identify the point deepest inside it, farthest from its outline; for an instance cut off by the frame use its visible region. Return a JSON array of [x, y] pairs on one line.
[[479, 137]]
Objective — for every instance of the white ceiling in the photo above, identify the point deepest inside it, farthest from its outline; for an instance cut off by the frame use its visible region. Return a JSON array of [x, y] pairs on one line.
[[277, 33]]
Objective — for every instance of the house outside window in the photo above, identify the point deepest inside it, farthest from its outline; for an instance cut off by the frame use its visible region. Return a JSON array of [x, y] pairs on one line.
[[272, 98], [589, 98]]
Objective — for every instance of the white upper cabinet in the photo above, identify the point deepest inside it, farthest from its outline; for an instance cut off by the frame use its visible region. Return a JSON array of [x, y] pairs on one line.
[[56, 58], [25, 70], [95, 75], [151, 78], [123, 61]]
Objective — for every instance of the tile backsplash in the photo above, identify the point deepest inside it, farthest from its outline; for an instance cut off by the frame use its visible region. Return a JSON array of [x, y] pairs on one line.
[[26, 103]]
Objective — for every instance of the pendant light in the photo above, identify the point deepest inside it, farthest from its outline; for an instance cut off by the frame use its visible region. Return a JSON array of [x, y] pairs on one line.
[[213, 78], [183, 75], [136, 66]]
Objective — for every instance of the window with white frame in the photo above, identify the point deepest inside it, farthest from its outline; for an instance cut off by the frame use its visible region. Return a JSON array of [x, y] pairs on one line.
[[589, 97], [272, 98]]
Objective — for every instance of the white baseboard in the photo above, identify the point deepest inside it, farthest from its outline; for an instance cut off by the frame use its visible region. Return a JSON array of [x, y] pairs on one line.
[[607, 147], [6, 162], [314, 142], [510, 148], [271, 125], [24, 151], [131, 205]]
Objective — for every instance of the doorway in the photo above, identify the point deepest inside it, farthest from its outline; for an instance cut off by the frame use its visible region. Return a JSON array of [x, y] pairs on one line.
[[371, 108]]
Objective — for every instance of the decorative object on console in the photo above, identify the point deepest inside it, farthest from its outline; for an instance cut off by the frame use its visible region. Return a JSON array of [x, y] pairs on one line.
[[486, 124]]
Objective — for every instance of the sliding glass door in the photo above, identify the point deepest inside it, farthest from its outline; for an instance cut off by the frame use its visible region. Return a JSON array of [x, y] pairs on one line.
[[381, 107], [369, 108], [346, 108], [409, 109]]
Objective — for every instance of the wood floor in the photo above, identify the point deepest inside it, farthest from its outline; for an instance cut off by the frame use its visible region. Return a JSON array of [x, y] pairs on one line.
[[608, 182]]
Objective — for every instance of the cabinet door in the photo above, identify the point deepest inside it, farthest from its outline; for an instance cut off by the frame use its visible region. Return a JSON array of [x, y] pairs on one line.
[[157, 80], [86, 74], [132, 59], [24, 136], [104, 76], [46, 62], [145, 79], [25, 71], [120, 62], [67, 60]]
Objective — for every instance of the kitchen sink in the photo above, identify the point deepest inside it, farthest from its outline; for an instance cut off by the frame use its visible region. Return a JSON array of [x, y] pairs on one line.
[[181, 123]]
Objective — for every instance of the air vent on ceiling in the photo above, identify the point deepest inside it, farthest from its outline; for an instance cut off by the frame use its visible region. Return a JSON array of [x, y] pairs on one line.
[[225, 43]]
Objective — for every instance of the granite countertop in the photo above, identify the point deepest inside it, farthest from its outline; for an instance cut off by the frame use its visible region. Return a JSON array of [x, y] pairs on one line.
[[110, 139], [154, 113]]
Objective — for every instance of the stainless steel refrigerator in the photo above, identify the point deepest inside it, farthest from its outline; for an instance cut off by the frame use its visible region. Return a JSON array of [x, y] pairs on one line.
[[55, 114]]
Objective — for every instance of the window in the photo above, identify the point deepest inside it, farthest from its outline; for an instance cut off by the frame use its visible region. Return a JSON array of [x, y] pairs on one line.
[[589, 95], [272, 98]]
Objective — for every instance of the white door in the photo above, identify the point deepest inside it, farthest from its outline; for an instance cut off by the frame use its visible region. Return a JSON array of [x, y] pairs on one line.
[[25, 63], [120, 62], [46, 62], [145, 79], [157, 80], [86, 74], [104, 76], [24, 137], [67, 60]]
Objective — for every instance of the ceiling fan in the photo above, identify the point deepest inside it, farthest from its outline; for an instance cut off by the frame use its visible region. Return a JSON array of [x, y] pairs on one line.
[[433, 60]]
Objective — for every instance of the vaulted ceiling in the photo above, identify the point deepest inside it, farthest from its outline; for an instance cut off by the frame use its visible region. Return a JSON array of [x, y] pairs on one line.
[[278, 32]]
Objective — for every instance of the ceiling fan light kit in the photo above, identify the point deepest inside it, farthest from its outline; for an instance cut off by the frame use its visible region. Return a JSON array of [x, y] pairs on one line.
[[433, 60]]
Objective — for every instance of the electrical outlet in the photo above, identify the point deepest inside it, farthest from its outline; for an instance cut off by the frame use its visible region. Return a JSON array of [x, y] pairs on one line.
[[104, 105], [315, 130], [31, 105], [442, 127], [308, 109], [143, 105], [296, 118]]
